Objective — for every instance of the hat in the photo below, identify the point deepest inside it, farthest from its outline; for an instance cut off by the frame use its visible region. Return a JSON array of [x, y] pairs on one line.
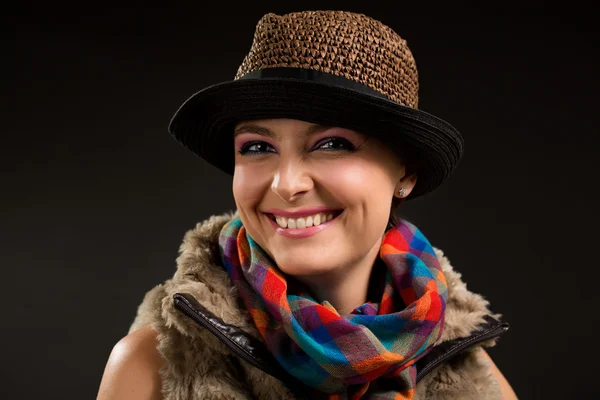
[[334, 68]]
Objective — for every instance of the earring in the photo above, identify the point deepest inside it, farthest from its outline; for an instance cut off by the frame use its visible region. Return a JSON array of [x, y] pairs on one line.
[[402, 192]]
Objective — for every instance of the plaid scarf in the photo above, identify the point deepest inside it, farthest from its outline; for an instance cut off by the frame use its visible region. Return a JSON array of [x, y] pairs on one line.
[[367, 354]]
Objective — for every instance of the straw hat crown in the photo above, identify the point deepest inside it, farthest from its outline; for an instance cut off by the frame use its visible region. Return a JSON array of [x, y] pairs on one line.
[[350, 45]]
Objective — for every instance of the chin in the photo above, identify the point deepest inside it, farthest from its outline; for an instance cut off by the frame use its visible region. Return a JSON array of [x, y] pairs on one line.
[[307, 267]]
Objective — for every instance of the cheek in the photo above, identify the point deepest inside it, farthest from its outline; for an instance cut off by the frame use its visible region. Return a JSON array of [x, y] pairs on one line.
[[359, 183], [246, 185]]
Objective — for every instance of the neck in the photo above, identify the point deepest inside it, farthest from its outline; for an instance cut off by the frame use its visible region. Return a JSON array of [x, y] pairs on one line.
[[347, 287]]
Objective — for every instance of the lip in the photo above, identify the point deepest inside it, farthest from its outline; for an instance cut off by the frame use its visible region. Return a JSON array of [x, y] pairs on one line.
[[302, 212], [298, 233]]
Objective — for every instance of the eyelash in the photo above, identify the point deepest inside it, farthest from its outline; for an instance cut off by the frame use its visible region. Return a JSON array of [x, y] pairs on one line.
[[246, 147]]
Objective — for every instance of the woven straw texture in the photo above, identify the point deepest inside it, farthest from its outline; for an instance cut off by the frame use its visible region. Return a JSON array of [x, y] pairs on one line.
[[350, 45]]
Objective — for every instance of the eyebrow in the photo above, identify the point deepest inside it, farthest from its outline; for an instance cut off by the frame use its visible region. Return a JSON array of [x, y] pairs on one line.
[[261, 130]]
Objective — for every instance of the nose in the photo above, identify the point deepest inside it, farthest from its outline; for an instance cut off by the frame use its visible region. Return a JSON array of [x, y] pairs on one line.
[[291, 179]]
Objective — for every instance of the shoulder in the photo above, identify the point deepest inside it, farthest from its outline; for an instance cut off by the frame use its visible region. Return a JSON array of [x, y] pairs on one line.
[[132, 370], [506, 389]]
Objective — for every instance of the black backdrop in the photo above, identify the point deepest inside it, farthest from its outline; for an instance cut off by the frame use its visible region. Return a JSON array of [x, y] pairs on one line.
[[96, 195]]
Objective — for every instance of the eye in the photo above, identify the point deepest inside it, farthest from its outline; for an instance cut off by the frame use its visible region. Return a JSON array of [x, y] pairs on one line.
[[335, 143], [256, 147]]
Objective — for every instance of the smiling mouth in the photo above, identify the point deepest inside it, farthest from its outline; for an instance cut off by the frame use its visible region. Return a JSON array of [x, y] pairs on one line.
[[306, 221]]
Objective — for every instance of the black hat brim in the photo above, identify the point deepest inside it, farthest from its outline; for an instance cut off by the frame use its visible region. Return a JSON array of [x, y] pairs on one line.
[[205, 122]]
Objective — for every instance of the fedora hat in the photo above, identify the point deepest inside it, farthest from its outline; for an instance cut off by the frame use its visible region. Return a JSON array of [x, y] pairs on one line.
[[327, 67]]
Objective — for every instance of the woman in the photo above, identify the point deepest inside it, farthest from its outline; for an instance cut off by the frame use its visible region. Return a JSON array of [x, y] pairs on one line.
[[313, 288]]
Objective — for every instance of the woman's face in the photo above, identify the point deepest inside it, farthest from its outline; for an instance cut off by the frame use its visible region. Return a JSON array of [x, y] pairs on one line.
[[291, 174]]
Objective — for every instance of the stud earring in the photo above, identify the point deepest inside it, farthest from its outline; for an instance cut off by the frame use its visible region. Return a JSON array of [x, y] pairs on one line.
[[402, 192]]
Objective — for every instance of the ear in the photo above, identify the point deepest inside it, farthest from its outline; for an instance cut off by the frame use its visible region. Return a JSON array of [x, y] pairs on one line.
[[407, 182]]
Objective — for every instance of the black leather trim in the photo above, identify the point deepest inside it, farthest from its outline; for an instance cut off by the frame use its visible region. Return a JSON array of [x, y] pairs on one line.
[[248, 344], [445, 351], [245, 346]]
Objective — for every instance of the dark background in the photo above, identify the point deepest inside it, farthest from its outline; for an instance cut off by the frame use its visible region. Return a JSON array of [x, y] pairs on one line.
[[96, 195]]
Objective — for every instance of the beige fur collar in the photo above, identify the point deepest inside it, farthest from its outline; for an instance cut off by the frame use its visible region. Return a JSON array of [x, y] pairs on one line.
[[195, 357]]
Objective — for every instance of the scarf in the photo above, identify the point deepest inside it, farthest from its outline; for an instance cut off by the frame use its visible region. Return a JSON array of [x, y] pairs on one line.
[[369, 353]]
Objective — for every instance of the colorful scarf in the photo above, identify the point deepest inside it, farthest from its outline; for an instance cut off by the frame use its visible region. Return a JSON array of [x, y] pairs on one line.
[[367, 354]]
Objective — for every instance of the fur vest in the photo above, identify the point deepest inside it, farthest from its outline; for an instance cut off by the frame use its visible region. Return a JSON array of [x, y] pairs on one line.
[[199, 365]]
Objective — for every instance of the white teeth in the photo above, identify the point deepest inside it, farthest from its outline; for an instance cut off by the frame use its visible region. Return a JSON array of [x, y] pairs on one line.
[[317, 220], [282, 222], [303, 222], [309, 221]]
